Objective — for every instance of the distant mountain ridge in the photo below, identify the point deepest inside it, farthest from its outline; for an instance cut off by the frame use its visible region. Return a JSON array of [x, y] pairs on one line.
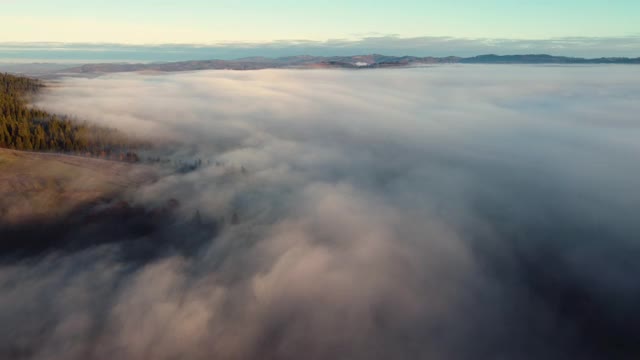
[[544, 59], [346, 62]]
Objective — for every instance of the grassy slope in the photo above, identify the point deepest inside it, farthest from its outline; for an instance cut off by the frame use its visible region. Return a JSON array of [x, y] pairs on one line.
[[37, 185]]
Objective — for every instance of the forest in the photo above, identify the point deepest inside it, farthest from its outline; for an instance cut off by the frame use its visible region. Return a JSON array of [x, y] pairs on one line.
[[23, 127]]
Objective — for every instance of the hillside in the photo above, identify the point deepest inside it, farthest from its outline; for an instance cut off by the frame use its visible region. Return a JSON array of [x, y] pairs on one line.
[[36, 185]]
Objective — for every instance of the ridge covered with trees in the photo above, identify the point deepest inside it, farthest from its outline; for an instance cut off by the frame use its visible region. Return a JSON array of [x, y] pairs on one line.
[[23, 127]]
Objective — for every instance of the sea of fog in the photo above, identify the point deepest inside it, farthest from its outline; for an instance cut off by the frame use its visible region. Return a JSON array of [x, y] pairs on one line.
[[447, 212]]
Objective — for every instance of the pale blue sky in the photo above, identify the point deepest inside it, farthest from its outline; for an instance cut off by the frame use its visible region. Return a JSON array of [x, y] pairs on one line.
[[216, 21]]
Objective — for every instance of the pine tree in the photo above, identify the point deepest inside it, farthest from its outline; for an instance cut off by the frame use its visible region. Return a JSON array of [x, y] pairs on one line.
[[25, 128]]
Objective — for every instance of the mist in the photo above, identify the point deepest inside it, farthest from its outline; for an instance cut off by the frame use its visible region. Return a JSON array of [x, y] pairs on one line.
[[447, 212]]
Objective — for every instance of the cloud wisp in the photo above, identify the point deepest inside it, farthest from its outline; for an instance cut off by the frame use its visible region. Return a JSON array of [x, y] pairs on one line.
[[446, 213]]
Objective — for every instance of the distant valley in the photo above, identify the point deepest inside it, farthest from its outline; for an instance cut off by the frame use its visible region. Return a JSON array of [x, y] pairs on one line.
[[345, 62]]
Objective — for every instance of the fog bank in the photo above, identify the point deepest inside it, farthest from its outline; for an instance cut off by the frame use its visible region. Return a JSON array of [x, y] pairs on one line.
[[448, 212]]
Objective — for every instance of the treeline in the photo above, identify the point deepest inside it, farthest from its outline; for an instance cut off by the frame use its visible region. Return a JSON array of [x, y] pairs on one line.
[[23, 127]]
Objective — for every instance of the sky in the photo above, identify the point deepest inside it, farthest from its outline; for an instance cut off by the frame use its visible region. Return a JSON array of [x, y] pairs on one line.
[[219, 21]]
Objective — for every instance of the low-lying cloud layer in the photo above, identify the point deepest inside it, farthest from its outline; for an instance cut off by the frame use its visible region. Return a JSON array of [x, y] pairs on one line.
[[451, 212]]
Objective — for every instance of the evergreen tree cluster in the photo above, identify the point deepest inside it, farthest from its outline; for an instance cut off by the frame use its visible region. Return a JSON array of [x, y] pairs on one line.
[[23, 127]]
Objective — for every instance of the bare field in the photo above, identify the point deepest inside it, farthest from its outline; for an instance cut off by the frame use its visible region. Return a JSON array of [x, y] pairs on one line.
[[40, 185]]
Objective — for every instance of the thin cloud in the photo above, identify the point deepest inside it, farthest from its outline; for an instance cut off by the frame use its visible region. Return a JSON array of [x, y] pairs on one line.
[[388, 45]]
